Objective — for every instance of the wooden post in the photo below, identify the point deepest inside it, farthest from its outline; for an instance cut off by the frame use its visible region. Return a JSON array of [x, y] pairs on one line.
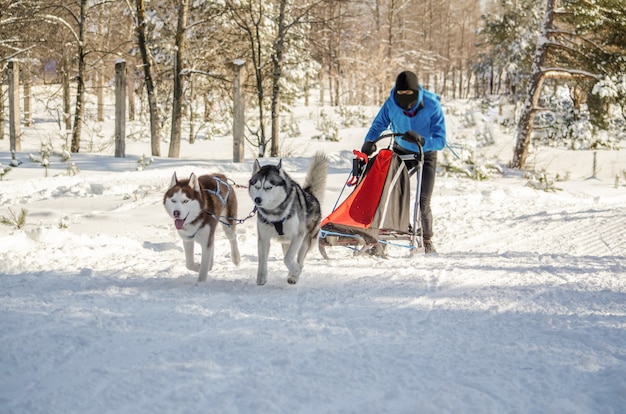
[[238, 113], [120, 109], [595, 164], [13, 73]]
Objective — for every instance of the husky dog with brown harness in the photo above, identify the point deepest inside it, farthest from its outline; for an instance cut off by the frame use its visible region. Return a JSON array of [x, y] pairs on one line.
[[288, 212], [197, 205]]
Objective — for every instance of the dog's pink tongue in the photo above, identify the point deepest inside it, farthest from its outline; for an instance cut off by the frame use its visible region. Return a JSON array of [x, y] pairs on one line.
[[179, 223]]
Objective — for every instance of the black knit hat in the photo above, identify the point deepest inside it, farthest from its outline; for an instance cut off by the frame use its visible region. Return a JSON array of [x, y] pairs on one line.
[[407, 80]]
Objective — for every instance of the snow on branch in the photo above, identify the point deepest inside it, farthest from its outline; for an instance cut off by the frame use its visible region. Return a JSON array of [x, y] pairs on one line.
[[564, 73], [55, 19], [555, 33]]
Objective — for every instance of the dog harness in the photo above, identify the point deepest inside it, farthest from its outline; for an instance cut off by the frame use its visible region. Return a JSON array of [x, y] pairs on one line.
[[278, 225], [217, 192]]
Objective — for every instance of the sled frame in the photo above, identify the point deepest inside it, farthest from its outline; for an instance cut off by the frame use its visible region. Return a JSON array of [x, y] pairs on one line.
[[412, 239]]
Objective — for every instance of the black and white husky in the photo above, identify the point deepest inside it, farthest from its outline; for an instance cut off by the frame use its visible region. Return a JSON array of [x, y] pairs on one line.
[[288, 212], [196, 205]]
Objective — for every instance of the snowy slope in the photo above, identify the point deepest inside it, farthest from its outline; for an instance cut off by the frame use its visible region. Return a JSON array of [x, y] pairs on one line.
[[523, 310]]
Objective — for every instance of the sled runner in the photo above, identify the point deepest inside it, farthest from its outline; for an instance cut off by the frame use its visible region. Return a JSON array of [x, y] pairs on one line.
[[378, 211]]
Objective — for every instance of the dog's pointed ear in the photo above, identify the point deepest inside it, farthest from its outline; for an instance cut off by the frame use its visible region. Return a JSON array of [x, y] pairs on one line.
[[194, 183], [256, 166], [280, 164], [174, 180]]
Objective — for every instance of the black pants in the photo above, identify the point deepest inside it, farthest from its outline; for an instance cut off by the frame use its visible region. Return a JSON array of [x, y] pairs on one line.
[[428, 184]]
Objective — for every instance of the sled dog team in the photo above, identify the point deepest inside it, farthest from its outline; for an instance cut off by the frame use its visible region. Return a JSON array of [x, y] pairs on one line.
[[285, 211]]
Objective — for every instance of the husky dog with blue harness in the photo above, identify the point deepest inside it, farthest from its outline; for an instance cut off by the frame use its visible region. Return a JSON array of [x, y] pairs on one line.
[[197, 205]]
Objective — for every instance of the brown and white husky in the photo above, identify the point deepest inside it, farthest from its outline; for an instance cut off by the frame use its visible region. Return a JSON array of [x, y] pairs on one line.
[[197, 205]]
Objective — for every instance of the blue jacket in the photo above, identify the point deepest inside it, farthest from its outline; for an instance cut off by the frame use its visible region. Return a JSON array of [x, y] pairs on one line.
[[428, 122]]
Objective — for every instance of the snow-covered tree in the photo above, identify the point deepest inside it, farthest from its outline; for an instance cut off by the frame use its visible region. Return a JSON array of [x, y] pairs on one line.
[[508, 39], [570, 51]]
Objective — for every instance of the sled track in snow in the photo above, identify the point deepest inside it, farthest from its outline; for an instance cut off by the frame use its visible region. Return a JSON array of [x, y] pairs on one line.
[[580, 232], [607, 238]]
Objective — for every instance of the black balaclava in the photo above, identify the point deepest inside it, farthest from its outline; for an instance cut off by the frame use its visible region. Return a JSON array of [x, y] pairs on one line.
[[405, 81]]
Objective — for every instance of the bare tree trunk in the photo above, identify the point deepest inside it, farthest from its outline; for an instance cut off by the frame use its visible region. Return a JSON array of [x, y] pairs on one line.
[[320, 78], [2, 119], [190, 113], [276, 75], [13, 73], [533, 91], [453, 76], [207, 107], [155, 128], [331, 94], [80, 88], [177, 99], [100, 94], [67, 110], [461, 79], [337, 90], [130, 76], [307, 90], [120, 109]]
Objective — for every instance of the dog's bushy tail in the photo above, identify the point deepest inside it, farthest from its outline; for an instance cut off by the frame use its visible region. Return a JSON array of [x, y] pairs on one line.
[[315, 180]]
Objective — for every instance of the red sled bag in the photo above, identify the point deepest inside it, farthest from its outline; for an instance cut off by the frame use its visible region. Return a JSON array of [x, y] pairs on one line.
[[378, 211]]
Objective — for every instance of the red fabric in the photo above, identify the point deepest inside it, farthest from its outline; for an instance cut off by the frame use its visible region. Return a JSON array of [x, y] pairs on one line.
[[359, 208]]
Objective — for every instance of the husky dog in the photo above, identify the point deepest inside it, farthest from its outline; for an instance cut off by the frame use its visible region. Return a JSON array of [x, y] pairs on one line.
[[196, 205], [288, 212]]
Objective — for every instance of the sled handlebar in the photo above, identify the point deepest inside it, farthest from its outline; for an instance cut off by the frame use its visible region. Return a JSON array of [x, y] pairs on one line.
[[388, 135], [361, 159], [393, 135]]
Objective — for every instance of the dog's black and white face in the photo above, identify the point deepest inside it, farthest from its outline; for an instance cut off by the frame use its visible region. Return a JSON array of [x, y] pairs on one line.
[[182, 201], [268, 187]]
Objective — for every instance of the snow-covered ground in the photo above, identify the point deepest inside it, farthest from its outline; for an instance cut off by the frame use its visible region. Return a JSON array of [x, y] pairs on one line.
[[522, 311]]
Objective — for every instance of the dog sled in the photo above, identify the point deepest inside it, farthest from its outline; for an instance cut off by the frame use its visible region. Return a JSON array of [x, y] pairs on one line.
[[378, 212]]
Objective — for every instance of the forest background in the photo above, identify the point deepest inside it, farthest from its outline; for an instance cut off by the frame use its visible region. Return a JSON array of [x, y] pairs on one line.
[[181, 55]]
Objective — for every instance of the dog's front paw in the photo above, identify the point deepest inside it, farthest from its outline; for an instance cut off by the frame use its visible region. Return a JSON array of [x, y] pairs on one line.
[[194, 267], [261, 279], [236, 259], [293, 279]]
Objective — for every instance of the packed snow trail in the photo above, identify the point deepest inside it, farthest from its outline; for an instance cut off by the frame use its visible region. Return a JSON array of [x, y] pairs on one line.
[[523, 310]]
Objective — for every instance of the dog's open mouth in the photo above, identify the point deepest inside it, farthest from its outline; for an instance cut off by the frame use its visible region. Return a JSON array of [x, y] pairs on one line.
[[179, 223]]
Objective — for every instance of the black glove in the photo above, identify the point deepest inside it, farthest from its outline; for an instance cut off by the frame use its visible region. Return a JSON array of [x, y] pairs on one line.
[[414, 137], [368, 148], [357, 167]]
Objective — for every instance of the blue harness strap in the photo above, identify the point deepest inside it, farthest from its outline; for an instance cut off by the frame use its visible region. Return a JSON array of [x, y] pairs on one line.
[[224, 198], [218, 193]]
